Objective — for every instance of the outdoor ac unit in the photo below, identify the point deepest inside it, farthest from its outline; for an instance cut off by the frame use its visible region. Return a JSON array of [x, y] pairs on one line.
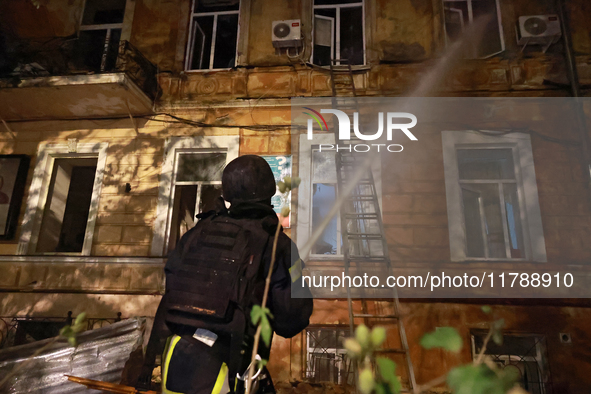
[[287, 33], [538, 29]]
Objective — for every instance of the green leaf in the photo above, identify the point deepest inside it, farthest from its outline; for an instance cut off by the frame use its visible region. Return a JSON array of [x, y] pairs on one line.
[[387, 369], [362, 335], [282, 187], [381, 388], [444, 337], [256, 313], [295, 182], [266, 331], [261, 363], [72, 341], [66, 331], [472, 379], [366, 381], [486, 309], [378, 336], [480, 379]]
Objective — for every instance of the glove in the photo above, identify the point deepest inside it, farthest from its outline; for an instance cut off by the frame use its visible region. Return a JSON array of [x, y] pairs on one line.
[[144, 382]]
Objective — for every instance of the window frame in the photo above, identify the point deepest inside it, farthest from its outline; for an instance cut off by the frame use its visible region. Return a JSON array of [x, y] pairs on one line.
[[304, 213], [125, 27], [39, 189], [470, 21], [527, 191], [173, 146], [337, 27], [192, 35]]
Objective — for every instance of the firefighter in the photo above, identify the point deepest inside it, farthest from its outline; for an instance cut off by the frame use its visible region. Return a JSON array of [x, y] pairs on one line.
[[202, 355]]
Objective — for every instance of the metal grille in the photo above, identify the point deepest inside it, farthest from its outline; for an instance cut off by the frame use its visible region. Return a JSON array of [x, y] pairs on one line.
[[326, 357], [525, 353]]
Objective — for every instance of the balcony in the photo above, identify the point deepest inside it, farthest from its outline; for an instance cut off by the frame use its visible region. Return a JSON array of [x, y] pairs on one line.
[[74, 78]]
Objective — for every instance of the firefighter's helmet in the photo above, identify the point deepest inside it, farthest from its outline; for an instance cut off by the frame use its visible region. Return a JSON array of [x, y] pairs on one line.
[[248, 179]]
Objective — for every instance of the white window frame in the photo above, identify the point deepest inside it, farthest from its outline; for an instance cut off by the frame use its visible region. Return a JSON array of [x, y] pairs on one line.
[[336, 44], [527, 191], [304, 221], [471, 20], [174, 146], [125, 27], [339, 352], [191, 40], [38, 192]]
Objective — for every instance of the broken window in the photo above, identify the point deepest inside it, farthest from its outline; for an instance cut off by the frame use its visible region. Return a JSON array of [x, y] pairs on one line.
[[213, 35], [492, 213], [197, 187], [492, 197], [338, 32], [190, 183], [326, 356], [65, 215], [100, 33], [486, 38], [523, 353], [324, 191], [63, 205]]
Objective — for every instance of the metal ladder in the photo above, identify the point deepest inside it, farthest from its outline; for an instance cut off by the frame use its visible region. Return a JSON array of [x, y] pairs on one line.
[[362, 229]]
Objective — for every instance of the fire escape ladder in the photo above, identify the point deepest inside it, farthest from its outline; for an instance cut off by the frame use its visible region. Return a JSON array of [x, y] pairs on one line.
[[364, 242]]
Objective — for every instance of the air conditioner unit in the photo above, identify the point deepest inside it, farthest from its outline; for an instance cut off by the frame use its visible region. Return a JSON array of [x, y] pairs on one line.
[[287, 34], [538, 29]]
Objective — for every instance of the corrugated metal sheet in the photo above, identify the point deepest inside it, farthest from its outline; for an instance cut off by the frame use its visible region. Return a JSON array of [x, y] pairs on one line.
[[101, 355]]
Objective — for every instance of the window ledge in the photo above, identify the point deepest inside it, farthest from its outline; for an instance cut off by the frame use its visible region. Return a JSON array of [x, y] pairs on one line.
[[82, 259]]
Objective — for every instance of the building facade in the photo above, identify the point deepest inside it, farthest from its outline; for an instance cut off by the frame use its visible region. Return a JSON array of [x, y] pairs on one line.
[[108, 107]]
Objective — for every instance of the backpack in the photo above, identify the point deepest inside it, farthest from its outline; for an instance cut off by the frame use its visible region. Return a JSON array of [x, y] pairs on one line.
[[217, 279]]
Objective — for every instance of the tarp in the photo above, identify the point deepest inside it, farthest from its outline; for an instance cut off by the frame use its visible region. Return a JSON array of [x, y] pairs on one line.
[[101, 354]]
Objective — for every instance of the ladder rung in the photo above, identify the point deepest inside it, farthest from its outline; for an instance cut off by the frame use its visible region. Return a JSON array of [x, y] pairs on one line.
[[368, 315], [364, 236], [361, 216], [397, 351]]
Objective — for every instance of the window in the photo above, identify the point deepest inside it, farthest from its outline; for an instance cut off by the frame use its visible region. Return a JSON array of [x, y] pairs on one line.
[[190, 183], [461, 14], [63, 199], [326, 356], [317, 198], [100, 33], [213, 35], [492, 197], [525, 353], [338, 32]]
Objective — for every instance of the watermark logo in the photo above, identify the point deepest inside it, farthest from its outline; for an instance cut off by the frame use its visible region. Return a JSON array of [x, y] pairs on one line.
[[344, 129]]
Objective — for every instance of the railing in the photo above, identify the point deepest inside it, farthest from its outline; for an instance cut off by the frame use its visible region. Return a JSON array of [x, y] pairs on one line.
[[75, 56], [16, 331]]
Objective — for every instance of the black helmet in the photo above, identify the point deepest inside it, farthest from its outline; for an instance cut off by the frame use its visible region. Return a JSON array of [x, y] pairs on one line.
[[248, 179]]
